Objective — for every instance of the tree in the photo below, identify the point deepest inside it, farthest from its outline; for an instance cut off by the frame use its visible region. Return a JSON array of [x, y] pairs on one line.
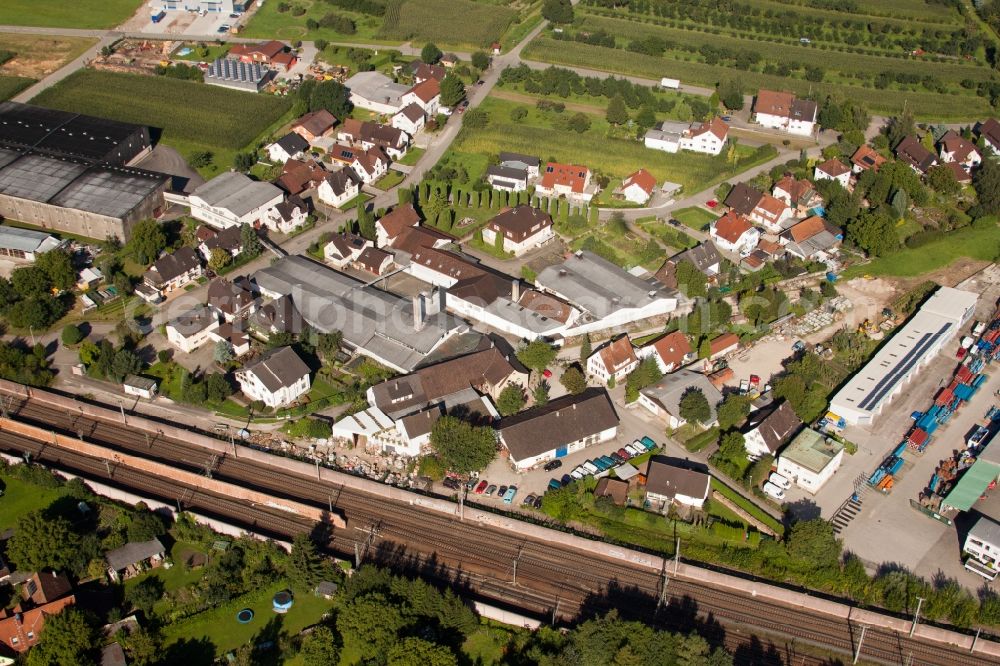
[[30, 281], [143, 647], [690, 280], [201, 158], [219, 259], [71, 335], [332, 96], [900, 127], [733, 410], [536, 355], [305, 568], [813, 544], [244, 161], [43, 543], [586, 349], [145, 525], [143, 595], [573, 380], [705, 348], [146, 242], [511, 400], [250, 241], [694, 407], [125, 362], [731, 94], [69, 638], [480, 60], [464, 448], [942, 180], [874, 232], [617, 114], [430, 53], [579, 122], [986, 182], [328, 344], [217, 388], [558, 11], [320, 648], [58, 267], [366, 221], [415, 651], [371, 623], [223, 352], [452, 90], [541, 394], [732, 447]]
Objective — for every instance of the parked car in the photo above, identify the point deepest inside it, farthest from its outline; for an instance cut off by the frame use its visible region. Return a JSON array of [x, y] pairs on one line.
[[492, 489], [223, 28], [481, 488], [508, 497], [635, 449], [538, 502], [234, 16], [780, 480], [449, 482], [774, 491], [471, 485], [648, 443], [547, 373], [674, 223], [529, 501], [727, 118], [552, 464], [617, 457], [577, 474], [501, 491], [591, 467], [601, 465], [712, 204], [624, 453], [554, 484], [480, 82], [609, 461]]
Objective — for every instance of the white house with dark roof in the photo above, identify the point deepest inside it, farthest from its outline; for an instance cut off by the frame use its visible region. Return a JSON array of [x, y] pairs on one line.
[[392, 224], [277, 378], [670, 483], [833, 169], [426, 95], [173, 271], [370, 165], [526, 163], [287, 216], [409, 119], [344, 248], [233, 199], [192, 329], [287, 147], [768, 429], [784, 111], [523, 228], [663, 398], [954, 148], [338, 188], [509, 179], [990, 133]]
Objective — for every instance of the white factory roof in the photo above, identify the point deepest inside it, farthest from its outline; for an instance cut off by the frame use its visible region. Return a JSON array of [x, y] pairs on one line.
[[899, 358], [367, 423], [27, 240]]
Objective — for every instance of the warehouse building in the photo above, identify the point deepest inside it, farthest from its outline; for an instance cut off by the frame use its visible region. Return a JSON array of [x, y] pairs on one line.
[[236, 74], [26, 244], [69, 172], [900, 359]]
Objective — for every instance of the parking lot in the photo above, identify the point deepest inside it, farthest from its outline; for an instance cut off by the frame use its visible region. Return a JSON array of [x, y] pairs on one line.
[[180, 22]]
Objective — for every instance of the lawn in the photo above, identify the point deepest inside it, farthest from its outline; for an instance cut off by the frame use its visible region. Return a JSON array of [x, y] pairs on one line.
[[187, 112], [412, 156], [747, 506], [89, 14], [20, 498], [219, 625], [390, 180], [668, 235], [177, 576], [451, 22], [544, 133], [206, 53], [982, 244], [268, 22], [12, 85], [696, 218]]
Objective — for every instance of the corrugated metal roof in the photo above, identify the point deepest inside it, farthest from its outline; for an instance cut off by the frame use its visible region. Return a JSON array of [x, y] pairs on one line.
[[972, 485], [25, 240]]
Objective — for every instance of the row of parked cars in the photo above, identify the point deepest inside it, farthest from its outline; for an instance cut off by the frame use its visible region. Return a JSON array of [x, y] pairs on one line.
[[484, 487], [776, 485], [604, 463]]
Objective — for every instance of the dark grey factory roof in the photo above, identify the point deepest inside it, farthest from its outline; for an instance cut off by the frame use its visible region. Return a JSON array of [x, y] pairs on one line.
[[63, 132], [370, 319], [133, 553], [279, 368], [598, 286], [236, 193], [560, 422]]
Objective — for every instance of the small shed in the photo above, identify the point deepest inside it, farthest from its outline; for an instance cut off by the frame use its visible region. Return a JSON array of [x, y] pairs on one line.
[[134, 558], [142, 387], [326, 589], [615, 489]]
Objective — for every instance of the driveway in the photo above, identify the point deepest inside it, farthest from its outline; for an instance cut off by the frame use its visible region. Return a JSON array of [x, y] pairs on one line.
[[165, 159]]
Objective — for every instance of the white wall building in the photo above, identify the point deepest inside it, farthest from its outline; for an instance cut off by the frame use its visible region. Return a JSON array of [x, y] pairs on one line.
[[233, 199], [783, 111], [810, 460], [616, 359], [338, 188], [192, 329], [277, 378]]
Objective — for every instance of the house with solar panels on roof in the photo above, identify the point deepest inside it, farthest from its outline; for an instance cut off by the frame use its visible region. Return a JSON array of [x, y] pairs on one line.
[[238, 75]]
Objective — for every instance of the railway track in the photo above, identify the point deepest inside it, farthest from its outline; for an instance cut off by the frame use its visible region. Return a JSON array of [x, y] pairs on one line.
[[550, 578]]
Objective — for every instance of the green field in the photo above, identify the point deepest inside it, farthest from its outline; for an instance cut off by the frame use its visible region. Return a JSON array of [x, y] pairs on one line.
[[12, 85], [193, 116], [90, 14], [475, 24], [542, 133], [268, 22], [695, 218], [982, 244], [20, 498]]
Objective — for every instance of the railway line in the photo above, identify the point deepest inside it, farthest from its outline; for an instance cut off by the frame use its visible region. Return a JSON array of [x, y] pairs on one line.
[[540, 577]]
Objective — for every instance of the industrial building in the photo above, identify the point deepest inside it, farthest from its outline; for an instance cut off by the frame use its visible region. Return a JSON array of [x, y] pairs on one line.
[[236, 74], [900, 359], [68, 172], [26, 244]]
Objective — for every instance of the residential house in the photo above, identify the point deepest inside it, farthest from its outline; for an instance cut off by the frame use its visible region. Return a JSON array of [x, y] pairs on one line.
[[810, 460], [705, 257], [665, 136], [192, 329], [523, 228], [140, 387], [765, 252], [338, 188], [277, 378], [768, 429], [370, 165], [287, 147], [21, 628], [613, 360], [953, 148], [708, 137], [45, 587], [232, 199], [742, 199], [663, 398], [962, 176], [426, 95], [233, 300], [833, 169], [234, 336], [783, 111], [614, 489], [812, 238], [671, 351], [913, 153], [561, 427], [278, 316], [866, 157], [449, 60], [287, 216], [410, 119], [495, 48], [392, 224], [344, 248], [421, 72], [376, 92], [367, 135], [734, 233], [133, 558], [990, 133], [374, 261], [173, 271], [315, 125], [298, 176], [525, 163], [507, 178], [723, 345], [638, 187], [261, 53], [798, 194], [669, 483], [229, 240], [771, 213], [566, 180]]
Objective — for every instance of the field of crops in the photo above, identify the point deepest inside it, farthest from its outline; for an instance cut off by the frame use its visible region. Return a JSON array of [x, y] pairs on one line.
[[187, 111], [477, 24], [11, 85], [922, 104], [65, 14], [270, 23], [538, 134]]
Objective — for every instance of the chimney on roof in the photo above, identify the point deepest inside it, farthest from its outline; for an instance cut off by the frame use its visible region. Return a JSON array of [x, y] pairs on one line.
[[515, 290], [418, 312]]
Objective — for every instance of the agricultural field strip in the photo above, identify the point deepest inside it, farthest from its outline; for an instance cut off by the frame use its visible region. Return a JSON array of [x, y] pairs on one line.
[[913, 10], [446, 21], [937, 21]]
